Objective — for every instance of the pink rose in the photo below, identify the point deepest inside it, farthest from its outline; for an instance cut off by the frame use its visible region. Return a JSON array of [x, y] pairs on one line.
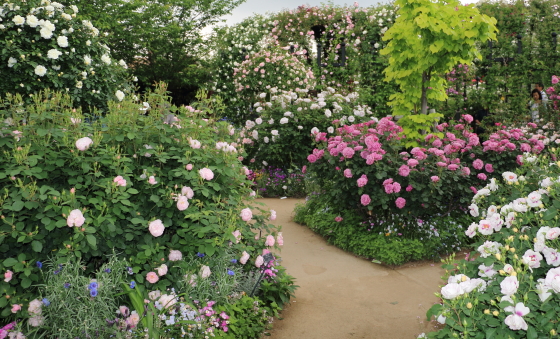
[[8, 275], [205, 272], [365, 199], [75, 218], [412, 162], [409, 188], [206, 173], [474, 190], [259, 261], [152, 277], [120, 181], [156, 228], [269, 241], [162, 270], [152, 180], [83, 144], [453, 167], [312, 158], [272, 215], [478, 164], [396, 187], [237, 235], [247, 171], [481, 176], [189, 167], [362, 181], [182, 203], [348, 173], [16, 308], [304, 169], [404, 171], [400, 202], [466, 171], [175, 255], [280, 239], [246, 214], [338, 219], [195, 143], [554, 79], [188, 192], [468, 118], [435, 178], [489, 168], [133, 320], [244, 257]]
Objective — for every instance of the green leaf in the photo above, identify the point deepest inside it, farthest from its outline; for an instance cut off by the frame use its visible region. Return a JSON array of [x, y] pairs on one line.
[[17, 205], [154, 198], [532, 333], [37, 246], [10, 262], [25, 282], [91, 240]]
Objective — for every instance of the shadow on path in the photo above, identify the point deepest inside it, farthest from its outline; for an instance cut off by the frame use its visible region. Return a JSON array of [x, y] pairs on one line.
[[342, 296]]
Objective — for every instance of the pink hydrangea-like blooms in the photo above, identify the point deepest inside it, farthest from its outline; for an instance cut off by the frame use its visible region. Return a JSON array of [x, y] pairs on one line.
[[489, 168], [338, 219], [259, 261], [478, 164], [280, 239], [434, 178], [175, 255], [481, 176], [152, 277], [182, 203], [156, 228], [84, 143], [362, 181], [76, 218], [162, 270], [365, 199], [272, 215], [348, 173], [187, 192], [120, 181], [244, 257], [206, 173], [400, 202], [269, 241], [404, 171], [246, 214]]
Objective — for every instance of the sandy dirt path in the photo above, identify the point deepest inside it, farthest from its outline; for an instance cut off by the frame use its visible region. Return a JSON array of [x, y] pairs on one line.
[[342, 296]]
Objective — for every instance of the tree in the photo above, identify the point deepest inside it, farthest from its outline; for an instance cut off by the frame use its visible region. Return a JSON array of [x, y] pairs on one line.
[[162, 40], [428, 39]]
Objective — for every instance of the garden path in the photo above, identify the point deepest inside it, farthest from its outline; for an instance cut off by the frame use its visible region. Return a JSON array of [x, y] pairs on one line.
[[342, 296]]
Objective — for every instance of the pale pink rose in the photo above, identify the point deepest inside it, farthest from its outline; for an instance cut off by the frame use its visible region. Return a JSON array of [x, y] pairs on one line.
[[247, 171], [195, 143], [259, 261], [152, 180], [75, 121], [509, 285], [167, 300], [253, 194], [175, 255], [152, 277], [189, 167], [338, 219], [120, 181], [156, 228], [75, 218], [124, 311], [400, 202], [280, 239], [246, 214], [272, 215], [8, 275], [434, 178], [16, 308], [188, 192], [237, 235], [244, 257], [35, 307], [36, 320], [83, 144], [269, 241], [348, 173], [205, 272], [451, 291], [206, 173], [191, 279], [154, 295], [162, 270], [133, 320], [182, 203], [73, 190], [515, 321]]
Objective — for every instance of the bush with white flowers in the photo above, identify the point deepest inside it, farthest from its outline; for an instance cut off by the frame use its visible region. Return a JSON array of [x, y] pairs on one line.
[[45, 46], [508, 287]]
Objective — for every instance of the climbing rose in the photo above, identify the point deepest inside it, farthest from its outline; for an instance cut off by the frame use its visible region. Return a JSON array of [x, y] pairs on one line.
[[206, 173], [175, 255], [156, 228], [272, 215], [269, 241], [120, 181], [244, 258], [400, 202], [246, 214], [365, 199], [152, 277], [188, 192], [76, 218], [84, 143], [259, 261], [182, 203], [280, 239]]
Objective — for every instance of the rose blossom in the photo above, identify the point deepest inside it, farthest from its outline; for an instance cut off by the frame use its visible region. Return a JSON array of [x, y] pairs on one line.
[[16, 308], [259, 261], [481, 176], [156, 228], [152, 180], [83, 144], [152, 277], [244, 257], [362, 181], [404, 171], [489, 168], [269, 241], [75, 218], [348, 173], [206, 173], [509, 285], [451, 291], [8, 275], [365, 199], [400, 202], [246, 214], [434, 178], [338, 219], [162, 270], [120, 181], [272, 215], [478, 164], [515, 321], [189, 167], [188, 192], [182, 203], [175, 255], [205, 272]]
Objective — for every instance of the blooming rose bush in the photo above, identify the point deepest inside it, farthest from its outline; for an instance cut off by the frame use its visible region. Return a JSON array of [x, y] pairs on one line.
[[45, 46], [365, 167], [508, 286], [141, 186]]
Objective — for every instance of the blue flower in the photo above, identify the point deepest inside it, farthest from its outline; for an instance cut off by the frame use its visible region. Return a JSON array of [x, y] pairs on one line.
[[200, 255], [93, 292], [39, 264], [230, 272], [132, 284], [46, 302], [56, 272], [93, 285], [233, 261], [107, 270], [66, 285]]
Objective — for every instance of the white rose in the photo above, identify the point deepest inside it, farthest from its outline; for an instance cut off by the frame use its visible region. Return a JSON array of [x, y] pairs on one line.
[[40, 70], [120, 95], [46, 33], [53, 53], [509, 285], [87, 60], [12, 62], [451, 291], [330, 129], [62, 41], [284, 121], [106, 59], [18, 20], [32, 21]]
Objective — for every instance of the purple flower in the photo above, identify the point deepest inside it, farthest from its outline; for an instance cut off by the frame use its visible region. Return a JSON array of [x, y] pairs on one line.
[[230, 272], [66, 285], [200, 255], [93, 293]]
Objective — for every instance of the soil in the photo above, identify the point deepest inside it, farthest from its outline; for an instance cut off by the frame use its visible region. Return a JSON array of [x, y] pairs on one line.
[[343, 296]]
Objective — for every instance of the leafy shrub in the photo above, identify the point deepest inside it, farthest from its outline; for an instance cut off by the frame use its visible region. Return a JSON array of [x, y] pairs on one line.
[[249, 317], [508, 287], [128, 191], [45, 47], [275, 182]]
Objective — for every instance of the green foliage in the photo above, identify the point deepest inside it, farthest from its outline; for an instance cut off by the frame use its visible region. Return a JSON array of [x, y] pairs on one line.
[[428, 39], [61, 53], [45, 177], [249, 317], [415, 127], [279, 289]]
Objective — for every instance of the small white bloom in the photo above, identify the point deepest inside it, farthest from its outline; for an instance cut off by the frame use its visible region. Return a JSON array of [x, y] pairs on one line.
[[18, 20], [40, 70], [120, 95], [12, 62], [53, 53], [62, 41], [87, 60], [123, 64], [106, 59]]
